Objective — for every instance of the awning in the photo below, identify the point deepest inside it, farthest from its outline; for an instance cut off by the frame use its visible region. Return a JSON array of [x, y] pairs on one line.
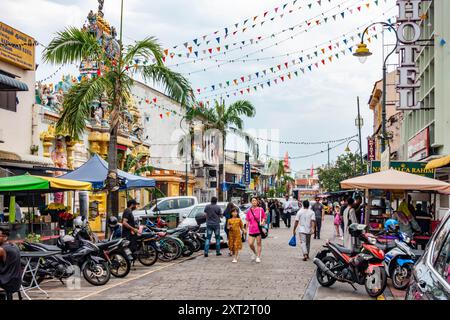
[[438, 163], [11, 84], [29, 183], [25, 158], [96, 169], [396, 180]]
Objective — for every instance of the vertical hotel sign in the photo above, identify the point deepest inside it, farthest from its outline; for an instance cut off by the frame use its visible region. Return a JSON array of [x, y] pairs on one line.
[[408, 33], [16, 47]]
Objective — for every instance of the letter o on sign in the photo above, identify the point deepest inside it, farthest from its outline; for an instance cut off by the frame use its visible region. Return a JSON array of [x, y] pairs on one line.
[[408, 27]]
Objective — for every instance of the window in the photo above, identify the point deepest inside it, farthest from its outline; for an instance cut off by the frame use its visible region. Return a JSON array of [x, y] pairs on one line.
[[8, 100], [442, 264], [184, 203]]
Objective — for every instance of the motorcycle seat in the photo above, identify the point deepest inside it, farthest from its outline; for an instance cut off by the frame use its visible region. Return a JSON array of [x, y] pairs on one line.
[[343, 249], [48, 247], [106, 244]]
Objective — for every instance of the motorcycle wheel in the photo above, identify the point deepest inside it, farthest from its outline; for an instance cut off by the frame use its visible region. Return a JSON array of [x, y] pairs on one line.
[[188, 248], [148, 256], [97, 274], [197, 245], [323, 278], [119, 265], [401, 276], [379, 274], [171, 250]]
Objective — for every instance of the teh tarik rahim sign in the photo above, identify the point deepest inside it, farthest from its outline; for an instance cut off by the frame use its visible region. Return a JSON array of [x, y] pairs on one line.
[[408, 33]]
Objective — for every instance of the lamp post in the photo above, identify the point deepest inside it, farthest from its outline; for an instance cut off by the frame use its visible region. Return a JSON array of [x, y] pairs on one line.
[[362, 53], [186, 179], [359, 122]]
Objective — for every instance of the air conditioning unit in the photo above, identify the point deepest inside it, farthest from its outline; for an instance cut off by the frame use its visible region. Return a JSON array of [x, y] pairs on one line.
[[199, 173]]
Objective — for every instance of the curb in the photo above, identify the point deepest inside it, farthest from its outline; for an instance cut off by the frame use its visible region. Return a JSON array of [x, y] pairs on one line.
[[311, 290]]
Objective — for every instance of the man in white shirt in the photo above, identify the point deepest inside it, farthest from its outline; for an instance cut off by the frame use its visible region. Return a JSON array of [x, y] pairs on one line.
[[306, 218]]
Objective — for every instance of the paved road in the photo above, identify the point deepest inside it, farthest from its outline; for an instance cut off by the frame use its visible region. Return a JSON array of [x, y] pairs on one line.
[[281, 275]]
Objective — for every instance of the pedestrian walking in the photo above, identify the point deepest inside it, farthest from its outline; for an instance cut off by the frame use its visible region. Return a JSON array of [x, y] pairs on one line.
[[337, 221], [349, 218], [278, 209], [255, 217], [235, 229], [318, 209], [343, 207], [213, 215], [129, 230], [227, 215], [10, 268], [287, 211], [305, 218]]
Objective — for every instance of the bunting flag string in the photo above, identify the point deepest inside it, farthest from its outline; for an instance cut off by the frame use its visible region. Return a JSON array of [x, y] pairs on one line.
[[307, 24], [253, 87], [242, 26], [243, 57], [287, 65], [306, 142], [153, 102]]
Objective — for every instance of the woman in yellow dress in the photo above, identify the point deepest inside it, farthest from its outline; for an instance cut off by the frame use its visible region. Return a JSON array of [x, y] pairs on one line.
[[235, 227]]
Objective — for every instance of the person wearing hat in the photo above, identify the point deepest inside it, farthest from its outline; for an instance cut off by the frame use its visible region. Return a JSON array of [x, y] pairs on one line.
[[129, 228]]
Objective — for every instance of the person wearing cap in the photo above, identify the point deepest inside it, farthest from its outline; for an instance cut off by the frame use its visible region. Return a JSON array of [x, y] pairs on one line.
[[129, 228]]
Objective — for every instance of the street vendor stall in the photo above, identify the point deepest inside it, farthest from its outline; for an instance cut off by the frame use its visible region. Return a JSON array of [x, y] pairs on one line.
[[388, 193], [31, 186]]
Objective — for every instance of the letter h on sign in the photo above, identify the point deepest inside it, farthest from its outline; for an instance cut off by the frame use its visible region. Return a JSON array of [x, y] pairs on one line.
[[408, 33]]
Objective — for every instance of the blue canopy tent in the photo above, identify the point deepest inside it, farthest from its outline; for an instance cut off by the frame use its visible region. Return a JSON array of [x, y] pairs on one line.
[[96, 169]]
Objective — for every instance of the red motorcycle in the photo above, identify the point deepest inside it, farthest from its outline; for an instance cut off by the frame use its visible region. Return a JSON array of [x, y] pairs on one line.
[[362, 265]]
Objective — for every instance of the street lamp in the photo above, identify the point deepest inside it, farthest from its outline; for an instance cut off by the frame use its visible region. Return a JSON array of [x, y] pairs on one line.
[[362, 52], [347, 150]]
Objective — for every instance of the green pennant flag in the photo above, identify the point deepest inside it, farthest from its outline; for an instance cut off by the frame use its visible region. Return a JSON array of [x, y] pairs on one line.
[[226, 47], [309, 5], [228, 83], [296, 73], [376, 2], [271, 69], [315, 52]]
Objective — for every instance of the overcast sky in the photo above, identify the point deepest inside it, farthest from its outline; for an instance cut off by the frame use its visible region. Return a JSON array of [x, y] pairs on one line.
[[316, 106]]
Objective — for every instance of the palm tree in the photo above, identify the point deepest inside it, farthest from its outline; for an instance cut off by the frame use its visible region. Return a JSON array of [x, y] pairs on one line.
[[132, 164], [226, 119], [114, 81]]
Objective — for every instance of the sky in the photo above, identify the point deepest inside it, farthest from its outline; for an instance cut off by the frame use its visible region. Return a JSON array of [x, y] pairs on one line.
[[318, 105]]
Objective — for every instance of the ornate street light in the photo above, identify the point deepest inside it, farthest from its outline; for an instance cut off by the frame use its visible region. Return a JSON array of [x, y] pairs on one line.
[[362, 52]]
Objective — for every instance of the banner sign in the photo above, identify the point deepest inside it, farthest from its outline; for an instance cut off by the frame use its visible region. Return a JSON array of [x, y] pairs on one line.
[[247, 173], [419, 145], [408, 34], [16, 47], [406, 166], [371, 147]]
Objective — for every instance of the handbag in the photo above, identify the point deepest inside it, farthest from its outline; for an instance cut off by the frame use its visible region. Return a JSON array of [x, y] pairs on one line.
[[293, 241], [262, 229]]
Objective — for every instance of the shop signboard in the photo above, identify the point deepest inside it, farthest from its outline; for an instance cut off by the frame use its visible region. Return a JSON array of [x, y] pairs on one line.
[[16, 47], [413, 167], [247, 173], [408, 32], [419, 145], [371, 147]]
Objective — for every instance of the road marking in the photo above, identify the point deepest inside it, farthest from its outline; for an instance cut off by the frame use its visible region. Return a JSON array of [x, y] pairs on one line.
[[135, 278]]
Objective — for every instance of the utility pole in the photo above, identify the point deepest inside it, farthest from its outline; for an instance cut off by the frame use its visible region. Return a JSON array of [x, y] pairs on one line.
[[328, 149], [359, 133]]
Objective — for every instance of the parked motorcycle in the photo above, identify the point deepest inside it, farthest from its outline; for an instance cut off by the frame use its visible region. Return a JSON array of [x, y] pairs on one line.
[[81, 253], [172, 247], [363, 264]]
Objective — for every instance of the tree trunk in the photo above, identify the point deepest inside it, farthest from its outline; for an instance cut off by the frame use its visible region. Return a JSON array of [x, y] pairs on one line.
[[112, 178]]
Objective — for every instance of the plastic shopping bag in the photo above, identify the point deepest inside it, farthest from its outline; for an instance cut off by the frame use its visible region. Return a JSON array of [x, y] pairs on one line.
[[293, 241]]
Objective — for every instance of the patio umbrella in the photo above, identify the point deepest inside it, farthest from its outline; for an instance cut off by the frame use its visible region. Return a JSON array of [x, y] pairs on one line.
[[396, 180]]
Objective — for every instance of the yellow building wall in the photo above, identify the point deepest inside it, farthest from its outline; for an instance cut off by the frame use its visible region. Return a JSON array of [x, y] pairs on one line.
[[173, 189]]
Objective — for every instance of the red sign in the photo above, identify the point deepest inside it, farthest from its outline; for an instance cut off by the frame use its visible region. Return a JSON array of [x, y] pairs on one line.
[[371, 147], [419, 145]]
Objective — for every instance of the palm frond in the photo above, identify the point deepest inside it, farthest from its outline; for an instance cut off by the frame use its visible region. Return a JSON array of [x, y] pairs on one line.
[[175, 85], [146, 50], [72, 45], [144, 169], [76, 105]]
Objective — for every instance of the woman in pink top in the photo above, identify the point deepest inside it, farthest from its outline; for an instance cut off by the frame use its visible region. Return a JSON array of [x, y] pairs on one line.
[[255, 217]]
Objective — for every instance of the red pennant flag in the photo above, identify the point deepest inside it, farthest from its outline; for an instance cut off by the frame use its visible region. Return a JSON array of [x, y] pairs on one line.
[[242, 91], [161, 115], [330, 58], [154, 100], [234, 33], [276, 9], [248, 89], [99, 73], [265, 13], [166, 52], [218, 49], [286, 64], [147, 101], [359, 8], [279, 67], [164, 59], [282, 78], [323, 61], [318, 22], [198, 90], [210, 50], [331, 47]]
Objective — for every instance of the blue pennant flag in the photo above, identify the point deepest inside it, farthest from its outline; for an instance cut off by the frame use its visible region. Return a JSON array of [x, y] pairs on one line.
[[268, 83], [257, 74], [310, 67], [342, 14], [195, 41], [301, 59], [226, 30]]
